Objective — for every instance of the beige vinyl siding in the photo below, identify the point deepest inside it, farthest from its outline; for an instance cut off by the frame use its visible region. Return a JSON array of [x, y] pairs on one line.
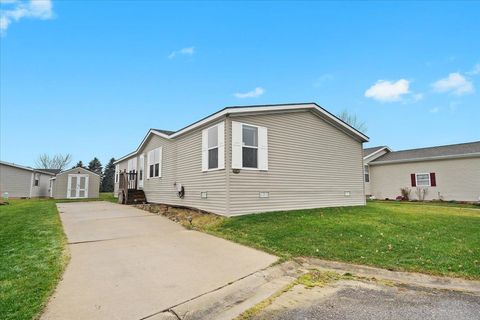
[[311, 164], [457, 179], [42, 190], [17, 182], [60, 185], [368, 187], [182, 163]]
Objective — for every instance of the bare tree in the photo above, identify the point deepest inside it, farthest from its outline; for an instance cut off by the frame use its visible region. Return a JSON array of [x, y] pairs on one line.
[[58, 161], [352, 120]]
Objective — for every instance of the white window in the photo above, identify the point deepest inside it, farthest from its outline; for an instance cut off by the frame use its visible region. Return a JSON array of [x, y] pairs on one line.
[[366, 172], [213, 147], [423, 179], [154, 160], [249, 146], [141, 169], [117, 173], [37, 179]]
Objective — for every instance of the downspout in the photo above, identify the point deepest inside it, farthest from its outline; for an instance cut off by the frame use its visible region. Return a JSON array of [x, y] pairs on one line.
[[228, 162], [31, 184], [363, 176]]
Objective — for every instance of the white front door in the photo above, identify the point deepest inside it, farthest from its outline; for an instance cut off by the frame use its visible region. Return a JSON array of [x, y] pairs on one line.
[[77, 186], [141, 170]]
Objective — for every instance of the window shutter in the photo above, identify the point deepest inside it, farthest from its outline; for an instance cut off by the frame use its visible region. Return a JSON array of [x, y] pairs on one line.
[[236, 145], [221, 145], [205, 150], [433, 180], [159, 152], [413, 179], [149, 161], [262, 148]]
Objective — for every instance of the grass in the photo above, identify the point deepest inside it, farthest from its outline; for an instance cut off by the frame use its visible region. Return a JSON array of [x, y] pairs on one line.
[[32, 256], [441, 240]]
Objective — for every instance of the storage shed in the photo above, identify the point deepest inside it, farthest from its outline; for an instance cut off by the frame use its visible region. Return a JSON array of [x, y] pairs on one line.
[[76, 183]]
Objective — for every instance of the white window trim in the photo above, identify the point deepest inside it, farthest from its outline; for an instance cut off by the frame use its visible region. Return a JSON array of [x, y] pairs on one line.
[[220, 146], [217, 146], [117, 173], [160, 162], [257, 147], [366, 172], [429, 179], [141, 165]]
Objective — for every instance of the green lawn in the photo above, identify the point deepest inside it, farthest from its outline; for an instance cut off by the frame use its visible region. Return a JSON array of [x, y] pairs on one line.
[[443, 240], [32, 256]]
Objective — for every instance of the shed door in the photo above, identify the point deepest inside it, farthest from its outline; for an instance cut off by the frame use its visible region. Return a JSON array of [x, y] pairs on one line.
[[77, 186]]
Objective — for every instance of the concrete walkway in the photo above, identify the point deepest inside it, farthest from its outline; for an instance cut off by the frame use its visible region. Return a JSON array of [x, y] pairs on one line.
[[130, 264]]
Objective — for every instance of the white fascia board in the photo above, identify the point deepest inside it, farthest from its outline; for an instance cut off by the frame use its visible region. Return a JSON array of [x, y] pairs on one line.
[[374, 153]]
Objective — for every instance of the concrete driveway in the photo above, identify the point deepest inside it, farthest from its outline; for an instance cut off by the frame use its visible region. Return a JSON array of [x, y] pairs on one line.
[[129, 264]]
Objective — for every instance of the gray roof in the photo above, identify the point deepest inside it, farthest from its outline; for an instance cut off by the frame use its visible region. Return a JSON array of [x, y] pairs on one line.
[[452, 150], [26, 168], [167, 132], [369, 151], [54, 171]]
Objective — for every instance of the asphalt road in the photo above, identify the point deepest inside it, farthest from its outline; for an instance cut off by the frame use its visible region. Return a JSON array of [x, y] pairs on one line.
[[358, 300]]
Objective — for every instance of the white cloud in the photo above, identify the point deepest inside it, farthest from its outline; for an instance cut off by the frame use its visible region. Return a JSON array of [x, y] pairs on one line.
[[388, 91], [435, 110], [417, 97], [258, 91], [455, 83], [475, 70], [15, 10], [190, 51], [322, 79]]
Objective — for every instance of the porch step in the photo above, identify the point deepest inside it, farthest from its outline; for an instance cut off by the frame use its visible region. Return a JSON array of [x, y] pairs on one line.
[[136, 196]]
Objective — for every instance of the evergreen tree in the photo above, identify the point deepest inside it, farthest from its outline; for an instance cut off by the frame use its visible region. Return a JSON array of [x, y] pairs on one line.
[[108, 177], [79, 164], [95, 166]]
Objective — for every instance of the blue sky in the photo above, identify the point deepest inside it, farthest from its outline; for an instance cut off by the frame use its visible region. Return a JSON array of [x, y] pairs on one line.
[[90, 77]]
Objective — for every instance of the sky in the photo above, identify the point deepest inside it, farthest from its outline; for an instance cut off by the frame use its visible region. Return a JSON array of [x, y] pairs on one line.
[[89, 78]]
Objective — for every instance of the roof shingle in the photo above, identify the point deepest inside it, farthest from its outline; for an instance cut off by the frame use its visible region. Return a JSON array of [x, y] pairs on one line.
[[431, 152]]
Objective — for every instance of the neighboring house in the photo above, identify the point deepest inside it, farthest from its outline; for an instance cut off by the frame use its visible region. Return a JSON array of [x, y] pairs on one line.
[[24, 182], [75, 183], [250, 159], [370, 154], [450, 172]]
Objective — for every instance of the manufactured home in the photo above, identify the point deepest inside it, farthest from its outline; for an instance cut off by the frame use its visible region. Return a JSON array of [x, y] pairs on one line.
[[249, 159], [450, 172], [18, 181]]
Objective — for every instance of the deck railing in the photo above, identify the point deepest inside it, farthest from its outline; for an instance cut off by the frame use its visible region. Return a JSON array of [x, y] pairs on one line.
[[128, 180]]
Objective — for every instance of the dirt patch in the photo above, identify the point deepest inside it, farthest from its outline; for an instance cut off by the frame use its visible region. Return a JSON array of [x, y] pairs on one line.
[[190, 218]]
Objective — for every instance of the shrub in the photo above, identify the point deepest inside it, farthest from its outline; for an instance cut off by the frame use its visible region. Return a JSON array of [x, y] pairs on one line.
[[405, 193]]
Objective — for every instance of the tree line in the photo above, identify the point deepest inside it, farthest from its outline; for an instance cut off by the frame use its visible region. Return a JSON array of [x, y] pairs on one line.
[[61, 162]]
